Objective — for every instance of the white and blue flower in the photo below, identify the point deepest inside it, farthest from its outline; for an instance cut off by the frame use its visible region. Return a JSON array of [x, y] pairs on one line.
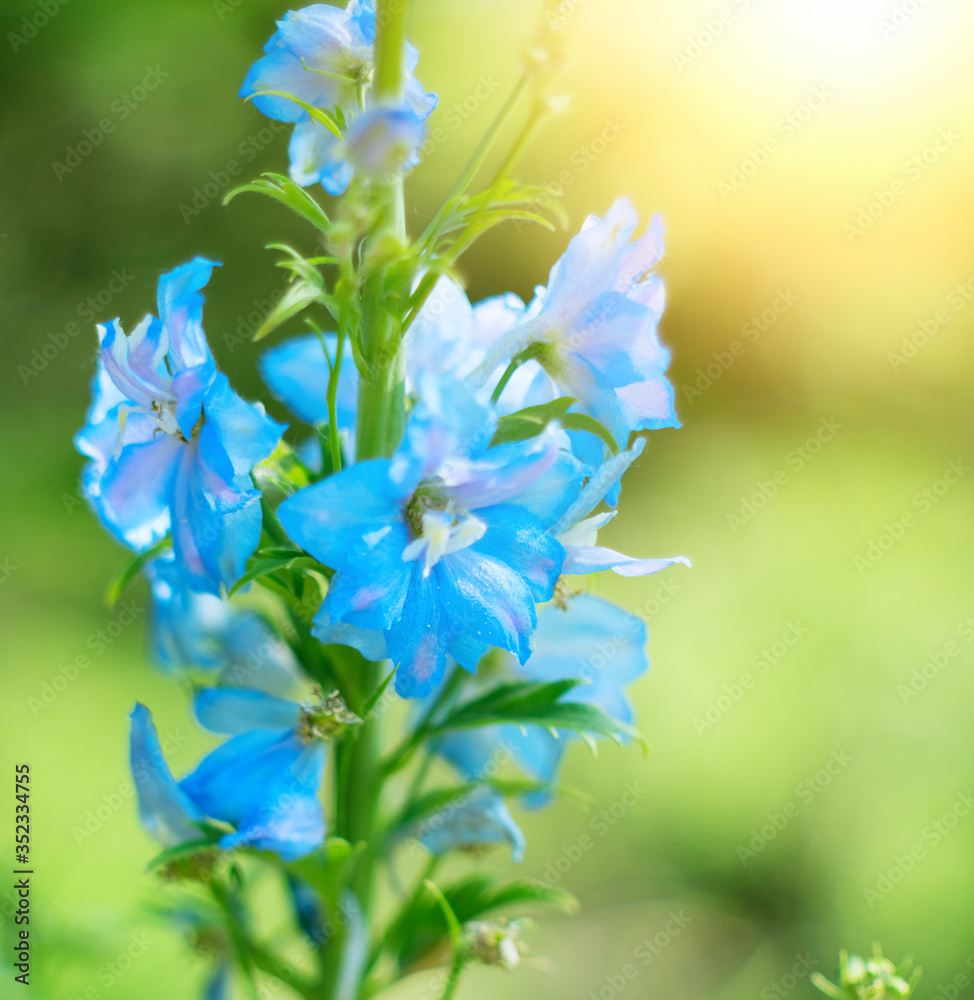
[[171, 444], [324, 56], [433, 547]]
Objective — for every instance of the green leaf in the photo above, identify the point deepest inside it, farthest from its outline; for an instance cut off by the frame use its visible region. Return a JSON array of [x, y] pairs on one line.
[[284, 190], [279, 553], [297, 296], [423, 926], [317, 114], [303, 268], [131, 570], [379, 692], [265, 567], [528, 703], [452, 923], [210, 835], [530, 421], [583, 422]]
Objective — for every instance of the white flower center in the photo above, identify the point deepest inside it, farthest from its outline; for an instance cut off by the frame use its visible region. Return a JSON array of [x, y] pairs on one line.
[[443, 533]]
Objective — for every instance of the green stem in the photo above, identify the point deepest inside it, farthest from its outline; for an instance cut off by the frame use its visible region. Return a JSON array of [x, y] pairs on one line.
[[454, 981], [379, 427], [505, 378], [480, 154], [418, 890], [469, 232], [333, 375]]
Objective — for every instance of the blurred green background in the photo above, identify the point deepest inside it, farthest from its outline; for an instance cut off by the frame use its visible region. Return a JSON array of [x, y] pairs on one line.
[[812, 162]]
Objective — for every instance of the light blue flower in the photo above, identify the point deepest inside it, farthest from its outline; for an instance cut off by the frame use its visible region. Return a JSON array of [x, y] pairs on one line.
[[265, 779], [480, 818], [228, 643], [582, 637], [323, 55], [593, 331], [171, 444], [433, 547]]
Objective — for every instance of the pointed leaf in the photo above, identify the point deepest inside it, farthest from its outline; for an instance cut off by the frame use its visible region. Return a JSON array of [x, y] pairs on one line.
[[267, 566], [317, 114], [131, 570], [284, 190], [298, 296], [526, 703], [530, 421], [584, 422]]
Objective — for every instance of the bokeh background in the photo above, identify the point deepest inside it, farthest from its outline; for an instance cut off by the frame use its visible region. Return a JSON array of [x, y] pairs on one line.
[[812, 161]]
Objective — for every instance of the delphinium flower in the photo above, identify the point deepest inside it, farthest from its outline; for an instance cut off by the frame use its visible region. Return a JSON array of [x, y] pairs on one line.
[[171, 444], [196, 633], [324, 56], [264, 781], [451, 510], [431, 547], [593, 331]]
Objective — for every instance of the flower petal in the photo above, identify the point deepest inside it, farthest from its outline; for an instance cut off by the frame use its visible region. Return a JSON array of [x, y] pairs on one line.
[[514, 538], [234, 711], [265, 783], [582, 559], [371, 643], [134, 492], [419, 639], [240, 430], [166, 811], [348, 518]]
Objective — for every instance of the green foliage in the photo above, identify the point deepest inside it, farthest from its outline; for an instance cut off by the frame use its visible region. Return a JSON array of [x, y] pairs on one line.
[[529, 703], [131, 569], [423, 927], [530, 421], [285, 191]]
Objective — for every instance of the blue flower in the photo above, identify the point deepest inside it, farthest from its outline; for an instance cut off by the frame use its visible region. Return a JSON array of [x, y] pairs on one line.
[[171, 444], [582, 637], [264, 781], [593, 331], [480, 818], [323, 55], [433, 547], [228, 643]]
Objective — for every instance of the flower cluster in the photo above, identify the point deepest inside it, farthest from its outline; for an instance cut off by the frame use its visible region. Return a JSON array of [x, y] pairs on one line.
[[318, 73], [432, 529]]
